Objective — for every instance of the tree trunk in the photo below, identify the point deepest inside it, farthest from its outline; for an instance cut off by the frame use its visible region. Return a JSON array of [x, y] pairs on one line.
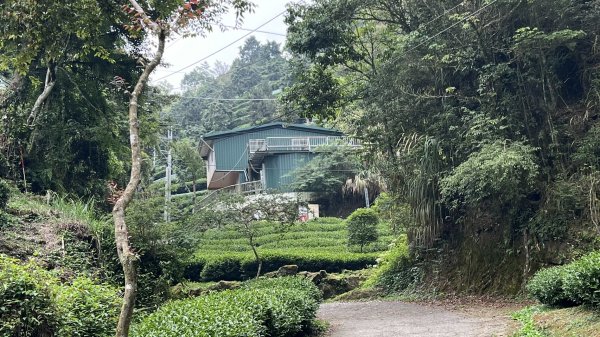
[[48, 86], [194, 190], [258, 260], [127, 256], [527, 263]]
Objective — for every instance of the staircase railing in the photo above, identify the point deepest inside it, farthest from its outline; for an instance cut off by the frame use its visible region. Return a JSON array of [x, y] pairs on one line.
[[251, 187]]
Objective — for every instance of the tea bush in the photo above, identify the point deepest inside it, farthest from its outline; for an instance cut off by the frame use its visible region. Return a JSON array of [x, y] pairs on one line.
[[242, 265], [548, 288], [582, 282], [269, 307], [574, 283], [26, 303], [226, 268], [34, 303], [87, 309]]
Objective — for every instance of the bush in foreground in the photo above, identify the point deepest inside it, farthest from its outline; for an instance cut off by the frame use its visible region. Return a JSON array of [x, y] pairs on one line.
[[34, 303], [582, 282], [547, 286], [26, 305], [266, 307], [574, 283]]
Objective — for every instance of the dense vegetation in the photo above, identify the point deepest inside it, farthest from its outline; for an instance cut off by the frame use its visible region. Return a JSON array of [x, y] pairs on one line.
[[36, 303], [267, 307], [482, 116], [479, 119]]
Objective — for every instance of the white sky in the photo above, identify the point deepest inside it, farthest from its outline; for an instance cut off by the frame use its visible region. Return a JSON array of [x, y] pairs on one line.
[[180, 53]]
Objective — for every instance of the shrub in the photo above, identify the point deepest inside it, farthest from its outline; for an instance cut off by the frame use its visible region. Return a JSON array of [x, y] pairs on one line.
[[4, 194], [242, 265], [395, 270], [582, 281], [34, 303], [362, 227], [547, 286], [87, 309], [269, 307], [227, 268], [26, 306]]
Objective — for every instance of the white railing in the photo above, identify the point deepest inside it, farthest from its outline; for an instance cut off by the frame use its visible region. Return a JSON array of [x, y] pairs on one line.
[[251, 187], [298, 143]]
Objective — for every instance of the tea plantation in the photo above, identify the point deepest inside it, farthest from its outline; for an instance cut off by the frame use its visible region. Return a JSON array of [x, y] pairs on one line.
[[320, 244]]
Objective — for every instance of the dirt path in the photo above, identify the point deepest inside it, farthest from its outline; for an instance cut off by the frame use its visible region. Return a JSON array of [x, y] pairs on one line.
[[396, 319]]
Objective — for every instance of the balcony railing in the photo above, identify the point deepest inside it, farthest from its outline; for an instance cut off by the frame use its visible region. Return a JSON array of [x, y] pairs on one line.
[[309, 144]]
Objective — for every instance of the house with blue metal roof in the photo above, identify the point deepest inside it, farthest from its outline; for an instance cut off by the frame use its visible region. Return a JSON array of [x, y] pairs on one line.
[[262, 157]]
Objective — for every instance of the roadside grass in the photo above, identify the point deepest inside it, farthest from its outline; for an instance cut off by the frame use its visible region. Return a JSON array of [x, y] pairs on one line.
[[569, 322], [542, 321]]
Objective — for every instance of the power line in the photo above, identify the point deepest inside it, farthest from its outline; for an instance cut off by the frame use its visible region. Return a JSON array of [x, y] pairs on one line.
[[221, 49], [256, 31]]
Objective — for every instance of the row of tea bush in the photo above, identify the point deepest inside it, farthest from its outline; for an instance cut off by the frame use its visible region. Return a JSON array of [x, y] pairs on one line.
[[266, 307]]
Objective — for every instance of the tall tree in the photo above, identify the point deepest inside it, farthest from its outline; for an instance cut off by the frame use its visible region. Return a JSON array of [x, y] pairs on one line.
[[156, 21], [215, 99]]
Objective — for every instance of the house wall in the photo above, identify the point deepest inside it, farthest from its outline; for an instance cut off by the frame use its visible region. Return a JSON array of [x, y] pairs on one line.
[[231, 152], [279, 169]]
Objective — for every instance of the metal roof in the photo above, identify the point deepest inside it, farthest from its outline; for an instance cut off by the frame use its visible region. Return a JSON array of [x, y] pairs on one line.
[[314, 128]]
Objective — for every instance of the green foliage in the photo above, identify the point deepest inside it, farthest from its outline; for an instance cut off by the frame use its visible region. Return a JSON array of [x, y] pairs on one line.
[[574, 283], [26, 303], [547, 286], [505, 172], [389, 208], [5, 193], [362, 227], [277, 308], [528, 328], [259, 70], [395, 269], [582, 282], [317, 244], [87, 309], [564, 202], [215, 266], [328, 171], [34, 303], [226, 268], [588, 150]]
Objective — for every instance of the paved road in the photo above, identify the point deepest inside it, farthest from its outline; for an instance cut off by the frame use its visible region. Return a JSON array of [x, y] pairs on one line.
[[397, 319]]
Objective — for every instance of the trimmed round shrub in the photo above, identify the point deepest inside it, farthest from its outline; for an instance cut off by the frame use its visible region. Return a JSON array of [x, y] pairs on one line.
[[362, 227], [547, 286], [87, 309], [582, 281], [26, 305]]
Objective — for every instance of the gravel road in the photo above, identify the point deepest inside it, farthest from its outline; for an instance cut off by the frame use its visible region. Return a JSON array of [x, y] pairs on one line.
[[396, 319]]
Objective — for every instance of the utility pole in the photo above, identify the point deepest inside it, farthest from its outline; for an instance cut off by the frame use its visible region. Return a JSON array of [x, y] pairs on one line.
[[367, 197], [168, 174]]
